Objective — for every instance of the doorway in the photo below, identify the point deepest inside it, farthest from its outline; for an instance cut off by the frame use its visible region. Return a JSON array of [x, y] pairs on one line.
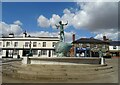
[[25, 52], [49, 55]]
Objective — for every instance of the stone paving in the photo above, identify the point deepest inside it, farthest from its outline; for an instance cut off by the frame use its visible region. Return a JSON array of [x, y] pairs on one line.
[[0, 72], [15, 72]]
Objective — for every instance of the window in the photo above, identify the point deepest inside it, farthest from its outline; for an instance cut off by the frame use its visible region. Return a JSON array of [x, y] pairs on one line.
[[95, 46], [34, 44], [84, 46], [16, 52], [88, 45], [35, 52], [53, 44], [103, 46], [7, 44], [10, 52], [16, 44], [43, 52], [39, 44], [44, 44], [114, 47], [0, 43], [26, 44]]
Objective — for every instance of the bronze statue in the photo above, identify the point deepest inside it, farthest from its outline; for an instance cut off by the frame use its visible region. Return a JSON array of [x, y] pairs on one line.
[[62, 48], [61, 26]]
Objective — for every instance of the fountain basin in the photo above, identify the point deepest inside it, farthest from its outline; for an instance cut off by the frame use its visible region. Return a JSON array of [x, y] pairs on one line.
[[64, 60]]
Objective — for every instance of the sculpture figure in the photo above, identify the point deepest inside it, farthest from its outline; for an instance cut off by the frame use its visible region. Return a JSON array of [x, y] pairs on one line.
[[62, 48], [61, 26]]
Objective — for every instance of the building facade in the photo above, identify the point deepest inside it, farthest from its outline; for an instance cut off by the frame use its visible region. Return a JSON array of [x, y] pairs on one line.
[[20, 46], [88, 47], [114, 48]]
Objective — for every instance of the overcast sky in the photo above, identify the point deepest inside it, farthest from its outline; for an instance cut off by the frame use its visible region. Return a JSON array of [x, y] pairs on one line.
[[85, 19]]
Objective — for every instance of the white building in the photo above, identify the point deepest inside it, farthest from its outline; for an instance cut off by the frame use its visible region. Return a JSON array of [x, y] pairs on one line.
[[12, 46], [114, 48]]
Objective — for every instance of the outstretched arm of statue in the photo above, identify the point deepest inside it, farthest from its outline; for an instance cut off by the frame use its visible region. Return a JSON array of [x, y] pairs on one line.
[[57, 26], [66, 23]]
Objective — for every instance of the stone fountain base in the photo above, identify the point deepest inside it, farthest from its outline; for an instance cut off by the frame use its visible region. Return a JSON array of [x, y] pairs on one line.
[[61, 60]]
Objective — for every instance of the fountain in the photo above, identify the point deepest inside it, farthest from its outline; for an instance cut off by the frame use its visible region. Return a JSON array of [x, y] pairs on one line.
[[62, 48]]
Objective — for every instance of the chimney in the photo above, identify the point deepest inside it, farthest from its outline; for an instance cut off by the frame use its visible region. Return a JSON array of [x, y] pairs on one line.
[[104, 38], [25, 34], [73, 37], [11, 35]]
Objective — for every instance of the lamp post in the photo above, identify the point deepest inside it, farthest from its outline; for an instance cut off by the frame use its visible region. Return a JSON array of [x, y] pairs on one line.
[[23, 51], [30, 52], [26, 59], [13, 50]]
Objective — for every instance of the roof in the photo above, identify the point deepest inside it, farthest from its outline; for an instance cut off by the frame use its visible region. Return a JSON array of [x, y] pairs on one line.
[[11, 34], [36, 38], [30, 37], [115, 43], [89, 40]]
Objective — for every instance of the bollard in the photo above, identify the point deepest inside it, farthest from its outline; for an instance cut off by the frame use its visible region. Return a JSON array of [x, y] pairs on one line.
[[25, 60], [102, 61]]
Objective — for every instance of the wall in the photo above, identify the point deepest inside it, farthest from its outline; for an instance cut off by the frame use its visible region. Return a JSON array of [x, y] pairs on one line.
[[64, 60], [117, 48]]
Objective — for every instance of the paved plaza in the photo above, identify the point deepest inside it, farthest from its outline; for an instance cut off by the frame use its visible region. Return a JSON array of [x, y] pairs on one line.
[[83, 73]]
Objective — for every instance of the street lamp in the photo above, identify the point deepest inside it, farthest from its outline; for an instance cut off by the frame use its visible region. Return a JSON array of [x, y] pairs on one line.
[[30, 52]]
